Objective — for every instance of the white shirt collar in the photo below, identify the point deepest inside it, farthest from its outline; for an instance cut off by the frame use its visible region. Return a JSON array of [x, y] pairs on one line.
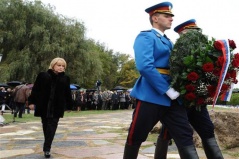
[[160, 32]]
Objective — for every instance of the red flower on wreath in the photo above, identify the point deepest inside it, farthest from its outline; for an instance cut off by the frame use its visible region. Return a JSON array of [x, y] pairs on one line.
[[211, 90], [232, 44], [190, 96], [233, 74], [225, 87], [216, 72], [235, 62], [235, 81], [200, 101], [236, 56], [193, 76], [228, 75], [198, 74], [208, 67], [217, 45], [190, 88]]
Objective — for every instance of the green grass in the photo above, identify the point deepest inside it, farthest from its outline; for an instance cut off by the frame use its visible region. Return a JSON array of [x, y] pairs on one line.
[[26, 118], [234, 100], [30, 117]]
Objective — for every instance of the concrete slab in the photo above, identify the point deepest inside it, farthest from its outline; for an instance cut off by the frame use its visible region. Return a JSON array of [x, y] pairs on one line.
[[11, 153], [99, 136]]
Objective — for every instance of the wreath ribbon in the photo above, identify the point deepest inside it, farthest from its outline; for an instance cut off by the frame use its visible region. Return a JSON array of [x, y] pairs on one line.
[[226, 96], [226, 56]]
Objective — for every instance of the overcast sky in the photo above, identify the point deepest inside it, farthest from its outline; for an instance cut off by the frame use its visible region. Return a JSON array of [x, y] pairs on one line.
[[117, 23]]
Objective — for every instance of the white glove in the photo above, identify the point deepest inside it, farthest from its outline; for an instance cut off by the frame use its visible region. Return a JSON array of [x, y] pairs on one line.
[[172, 93]]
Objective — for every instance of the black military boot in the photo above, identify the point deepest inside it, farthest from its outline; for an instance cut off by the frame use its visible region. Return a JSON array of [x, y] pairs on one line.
[[131, 152], [161, 149], [212, 149], [188, 152]]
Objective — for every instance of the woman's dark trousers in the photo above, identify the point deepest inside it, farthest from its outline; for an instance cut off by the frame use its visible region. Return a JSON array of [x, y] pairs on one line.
[[49, 126]]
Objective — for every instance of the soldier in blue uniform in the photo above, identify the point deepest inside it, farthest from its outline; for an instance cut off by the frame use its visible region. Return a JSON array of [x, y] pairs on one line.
[[200, 120], [155, 99]]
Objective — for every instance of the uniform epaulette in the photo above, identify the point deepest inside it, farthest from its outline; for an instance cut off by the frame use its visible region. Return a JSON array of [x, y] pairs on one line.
[[146, 31]]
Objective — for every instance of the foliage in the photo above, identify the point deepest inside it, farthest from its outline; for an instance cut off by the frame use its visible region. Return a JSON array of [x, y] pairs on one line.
[[234, 100], [32, 35], [195, 68], [36, 37], [129, 74]]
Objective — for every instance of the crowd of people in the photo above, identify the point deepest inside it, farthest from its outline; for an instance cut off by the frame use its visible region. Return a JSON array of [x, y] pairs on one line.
[[102, 100], [15, 99]]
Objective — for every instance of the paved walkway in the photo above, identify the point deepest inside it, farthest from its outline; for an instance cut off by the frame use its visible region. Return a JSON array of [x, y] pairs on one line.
[[99, 136]]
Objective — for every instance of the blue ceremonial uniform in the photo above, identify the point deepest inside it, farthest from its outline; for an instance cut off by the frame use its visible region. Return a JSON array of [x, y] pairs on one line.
[[152, 51], [155, 99]]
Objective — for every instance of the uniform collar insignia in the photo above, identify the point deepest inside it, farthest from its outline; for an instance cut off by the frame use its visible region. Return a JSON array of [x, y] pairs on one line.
[[158, 35]]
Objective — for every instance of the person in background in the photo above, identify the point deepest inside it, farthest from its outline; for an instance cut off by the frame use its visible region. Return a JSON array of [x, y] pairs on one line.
[[199, 119], [122, 100], [74, 95], [26, 106], [83, 107], [2, 119], [128, 100], [155, 99], [115, 100], [20, 98], [89, 100], [79, 101], [10, 99], [94, 100], [105, 100], [109, 100], [3, 98], [51, 95], [100, 102]]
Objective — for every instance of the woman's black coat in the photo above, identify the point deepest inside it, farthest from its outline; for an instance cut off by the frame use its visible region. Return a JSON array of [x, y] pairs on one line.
[[51, 94]]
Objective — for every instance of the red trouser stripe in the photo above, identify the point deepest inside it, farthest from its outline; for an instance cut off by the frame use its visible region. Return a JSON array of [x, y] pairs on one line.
[[131, 132], [165, 134]]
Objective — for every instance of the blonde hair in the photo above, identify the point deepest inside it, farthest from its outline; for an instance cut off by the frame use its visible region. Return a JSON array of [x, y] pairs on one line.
[[55, 60]]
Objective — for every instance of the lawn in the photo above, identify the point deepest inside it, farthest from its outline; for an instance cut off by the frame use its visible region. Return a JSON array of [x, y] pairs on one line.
[[30, 117]]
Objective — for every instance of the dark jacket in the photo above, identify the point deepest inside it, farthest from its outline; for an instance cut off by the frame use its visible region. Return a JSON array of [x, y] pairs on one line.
[[21, 94], [51, 94]]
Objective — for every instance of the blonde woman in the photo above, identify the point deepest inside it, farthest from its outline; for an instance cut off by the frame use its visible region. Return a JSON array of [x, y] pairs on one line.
[[51, 96]]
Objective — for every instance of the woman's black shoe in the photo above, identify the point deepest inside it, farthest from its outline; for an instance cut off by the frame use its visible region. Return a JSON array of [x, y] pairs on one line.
[[47, 154]]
